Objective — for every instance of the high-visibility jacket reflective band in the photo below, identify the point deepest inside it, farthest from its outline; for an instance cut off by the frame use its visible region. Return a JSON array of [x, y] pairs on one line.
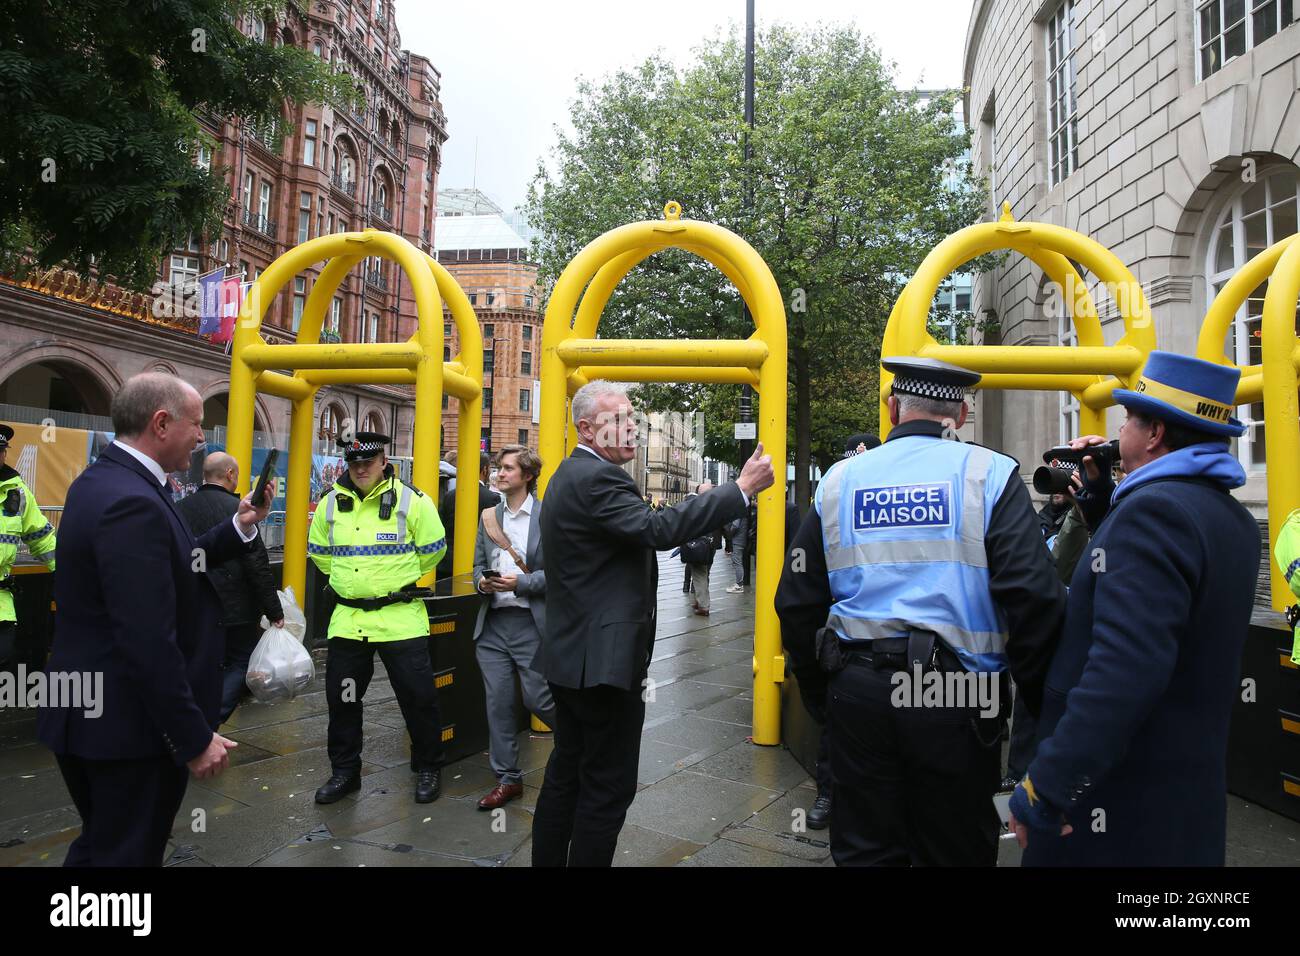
[[903, 527], [367, 556]]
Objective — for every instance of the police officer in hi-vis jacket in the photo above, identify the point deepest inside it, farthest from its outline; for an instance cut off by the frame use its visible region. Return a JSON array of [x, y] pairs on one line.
[[923, 555], [21, 522], [375, 537]]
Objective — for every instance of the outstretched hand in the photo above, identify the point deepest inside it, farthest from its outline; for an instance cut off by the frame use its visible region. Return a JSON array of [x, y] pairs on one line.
[[757, 474]]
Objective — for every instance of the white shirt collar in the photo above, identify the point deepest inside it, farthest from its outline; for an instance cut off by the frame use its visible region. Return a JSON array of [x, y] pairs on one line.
[[591, 451], [524, 509], [155, 469]]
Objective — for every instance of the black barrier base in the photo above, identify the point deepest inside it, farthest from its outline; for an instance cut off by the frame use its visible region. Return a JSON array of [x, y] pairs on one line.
[[1264, 741]]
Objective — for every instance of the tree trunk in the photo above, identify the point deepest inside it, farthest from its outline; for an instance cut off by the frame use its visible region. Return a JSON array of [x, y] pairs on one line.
[[802, 429]]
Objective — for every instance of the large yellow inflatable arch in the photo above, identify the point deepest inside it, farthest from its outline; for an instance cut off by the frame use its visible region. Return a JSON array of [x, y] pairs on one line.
[[573, 356], [417, 362]]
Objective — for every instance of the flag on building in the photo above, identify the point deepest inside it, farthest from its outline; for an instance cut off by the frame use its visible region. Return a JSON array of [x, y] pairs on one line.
[[210, 301], [231, 296]]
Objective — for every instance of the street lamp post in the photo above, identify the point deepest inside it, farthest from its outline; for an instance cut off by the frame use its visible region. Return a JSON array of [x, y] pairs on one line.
[[746, 392]]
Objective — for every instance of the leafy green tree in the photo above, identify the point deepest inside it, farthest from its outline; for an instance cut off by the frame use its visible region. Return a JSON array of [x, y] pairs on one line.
[[97, 103], [854, 181]]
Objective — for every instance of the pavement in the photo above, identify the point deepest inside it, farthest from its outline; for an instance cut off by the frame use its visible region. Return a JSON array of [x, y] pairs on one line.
[[707, 796]]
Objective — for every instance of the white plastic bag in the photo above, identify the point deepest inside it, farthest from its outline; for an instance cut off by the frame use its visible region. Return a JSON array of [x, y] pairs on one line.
[[280, 668], [295, 622]]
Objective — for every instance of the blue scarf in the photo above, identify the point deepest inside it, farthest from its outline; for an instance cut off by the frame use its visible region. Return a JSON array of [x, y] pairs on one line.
[[1212, 460]]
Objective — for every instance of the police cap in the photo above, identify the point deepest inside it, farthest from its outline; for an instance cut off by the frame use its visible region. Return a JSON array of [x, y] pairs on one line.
[[930, 378], [363, 446], [6, 436], [862, 438]]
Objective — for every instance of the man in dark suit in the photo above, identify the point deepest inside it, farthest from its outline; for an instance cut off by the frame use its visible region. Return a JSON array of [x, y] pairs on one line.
[[487, 498], [135, 607], [245, 584], [600, 541]]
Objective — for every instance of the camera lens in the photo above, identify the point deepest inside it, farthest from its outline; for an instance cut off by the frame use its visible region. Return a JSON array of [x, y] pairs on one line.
[[1052, 481]]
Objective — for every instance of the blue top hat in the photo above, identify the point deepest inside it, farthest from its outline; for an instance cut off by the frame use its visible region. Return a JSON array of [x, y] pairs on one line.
[[1188, 391]]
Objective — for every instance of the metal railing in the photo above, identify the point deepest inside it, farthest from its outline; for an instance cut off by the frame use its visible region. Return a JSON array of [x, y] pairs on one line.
[[346, 186], [260, 223], [377, 279], [380, 211]]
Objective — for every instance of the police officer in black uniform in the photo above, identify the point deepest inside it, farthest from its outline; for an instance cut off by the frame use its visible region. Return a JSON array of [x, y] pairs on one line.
[[923, 555]]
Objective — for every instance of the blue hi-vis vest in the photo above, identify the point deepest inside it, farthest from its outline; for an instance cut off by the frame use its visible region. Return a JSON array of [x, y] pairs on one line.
[[903, 526]]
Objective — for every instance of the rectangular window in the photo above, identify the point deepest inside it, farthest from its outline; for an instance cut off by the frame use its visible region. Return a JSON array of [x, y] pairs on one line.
[[309, 144], [523, 436], [243, 269], [374, 327], [299, 300], [473, 298], [528, 302], [488, 332], [1062, 111], [525, 363], [525, 397], [336, 314], [304, 217], [487, 397], [204, 160], [528, 331], [183, 269], [264, 203], [446, 353], [489, 360], [1225, 29], [248, 192]]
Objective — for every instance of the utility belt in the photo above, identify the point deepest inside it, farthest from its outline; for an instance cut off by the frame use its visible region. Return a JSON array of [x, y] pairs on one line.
[[7, 583], [410, 592], [886, 653]]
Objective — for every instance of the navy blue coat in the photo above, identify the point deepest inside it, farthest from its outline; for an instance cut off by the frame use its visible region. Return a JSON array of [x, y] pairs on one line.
[[1134, 728], [131, 605]]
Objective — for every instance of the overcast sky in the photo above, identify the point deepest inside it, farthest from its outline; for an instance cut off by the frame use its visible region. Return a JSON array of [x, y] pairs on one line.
[[508, 67]]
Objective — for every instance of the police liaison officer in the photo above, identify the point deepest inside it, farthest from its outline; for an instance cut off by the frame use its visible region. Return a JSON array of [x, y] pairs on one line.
[[21, 522], [924, 555], [375, 536]]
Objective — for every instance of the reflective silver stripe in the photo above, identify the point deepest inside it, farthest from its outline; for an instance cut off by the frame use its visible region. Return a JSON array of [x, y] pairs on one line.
[[403, 506], [976, 642], [22, 500], [978, 465], [832, 487], [907, 552], [329, 518]]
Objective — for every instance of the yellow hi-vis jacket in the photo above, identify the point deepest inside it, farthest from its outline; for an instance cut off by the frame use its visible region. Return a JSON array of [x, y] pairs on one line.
[[21, 522], [367, 556], [1287, 554]]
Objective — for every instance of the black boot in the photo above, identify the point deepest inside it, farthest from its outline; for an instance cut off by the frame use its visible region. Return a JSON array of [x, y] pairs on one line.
[[819, 817], [338, 787], [428, 786]]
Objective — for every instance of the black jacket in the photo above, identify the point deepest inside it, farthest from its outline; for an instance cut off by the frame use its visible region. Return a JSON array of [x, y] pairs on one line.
[[132, 609], [600, 539], [487, 498], [244, 584], [1022, 580]]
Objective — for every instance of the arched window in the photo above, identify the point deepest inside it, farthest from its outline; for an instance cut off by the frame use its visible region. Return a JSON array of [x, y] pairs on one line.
[[374, 422], [331, 424], [1256, 216]]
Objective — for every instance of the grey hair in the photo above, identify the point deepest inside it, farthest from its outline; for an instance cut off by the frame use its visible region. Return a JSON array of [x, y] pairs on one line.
[[930, 407], [586, 398], [142, 396]]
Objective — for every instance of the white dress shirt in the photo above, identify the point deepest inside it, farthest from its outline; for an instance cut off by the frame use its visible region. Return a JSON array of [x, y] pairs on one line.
[[160, 476], [515, 525]]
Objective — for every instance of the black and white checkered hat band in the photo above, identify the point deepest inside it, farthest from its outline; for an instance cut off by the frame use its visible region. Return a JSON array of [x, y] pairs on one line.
[[916, 386], [363, 448]]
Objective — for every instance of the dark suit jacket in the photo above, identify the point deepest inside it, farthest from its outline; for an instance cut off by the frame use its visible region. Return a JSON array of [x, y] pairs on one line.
[[447, 512], [531, 585], [132, 607], [600, 539], [245, 584]]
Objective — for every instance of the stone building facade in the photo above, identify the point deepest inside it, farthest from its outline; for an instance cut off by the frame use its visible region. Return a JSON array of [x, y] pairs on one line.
[[68, 344], [1168, 131]]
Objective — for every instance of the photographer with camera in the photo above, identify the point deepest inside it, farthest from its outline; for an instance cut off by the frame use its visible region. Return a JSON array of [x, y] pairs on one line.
[[1131, 767]]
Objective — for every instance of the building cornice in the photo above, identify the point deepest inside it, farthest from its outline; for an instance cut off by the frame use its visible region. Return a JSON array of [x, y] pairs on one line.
[[974, 33]]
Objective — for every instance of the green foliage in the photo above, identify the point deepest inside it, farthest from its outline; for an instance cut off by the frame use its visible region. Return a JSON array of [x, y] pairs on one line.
[[854, 182], [98, 103]]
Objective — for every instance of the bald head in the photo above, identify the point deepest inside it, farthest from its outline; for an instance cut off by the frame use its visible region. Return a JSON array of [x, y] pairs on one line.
[[220, 468]]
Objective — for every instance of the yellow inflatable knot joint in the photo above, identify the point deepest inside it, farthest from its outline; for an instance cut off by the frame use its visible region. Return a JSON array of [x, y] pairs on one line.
[[673, 211]]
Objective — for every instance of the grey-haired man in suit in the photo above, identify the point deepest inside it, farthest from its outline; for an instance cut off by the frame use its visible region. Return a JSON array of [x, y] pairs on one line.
[[508, 569]]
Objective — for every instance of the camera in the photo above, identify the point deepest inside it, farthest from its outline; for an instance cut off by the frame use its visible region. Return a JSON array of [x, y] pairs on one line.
[[1051, 479]]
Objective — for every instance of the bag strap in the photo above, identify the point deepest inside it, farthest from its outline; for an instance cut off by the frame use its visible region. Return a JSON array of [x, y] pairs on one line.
[[498, 536]]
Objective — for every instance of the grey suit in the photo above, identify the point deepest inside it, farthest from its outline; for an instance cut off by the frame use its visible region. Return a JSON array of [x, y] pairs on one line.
[[507, 640]]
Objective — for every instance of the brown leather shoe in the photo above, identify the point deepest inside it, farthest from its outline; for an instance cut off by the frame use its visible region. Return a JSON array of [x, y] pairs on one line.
[[500, 795]]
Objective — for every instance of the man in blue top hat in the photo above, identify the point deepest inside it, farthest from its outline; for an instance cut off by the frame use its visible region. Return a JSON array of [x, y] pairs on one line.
[[1131, 768]]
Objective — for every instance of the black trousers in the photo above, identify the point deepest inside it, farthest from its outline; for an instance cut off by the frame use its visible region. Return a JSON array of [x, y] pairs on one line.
[[241, 641], [409, 669], [8, 645], [591, 776], [909, 785], [824, 761], [1024, 739], [127, 809]]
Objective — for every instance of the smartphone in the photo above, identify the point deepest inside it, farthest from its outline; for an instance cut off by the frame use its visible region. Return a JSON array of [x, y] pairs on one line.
[[268, 470], [489, 573]]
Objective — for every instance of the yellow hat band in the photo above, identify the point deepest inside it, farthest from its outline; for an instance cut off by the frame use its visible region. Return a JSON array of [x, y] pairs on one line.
[[1195, 405]]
